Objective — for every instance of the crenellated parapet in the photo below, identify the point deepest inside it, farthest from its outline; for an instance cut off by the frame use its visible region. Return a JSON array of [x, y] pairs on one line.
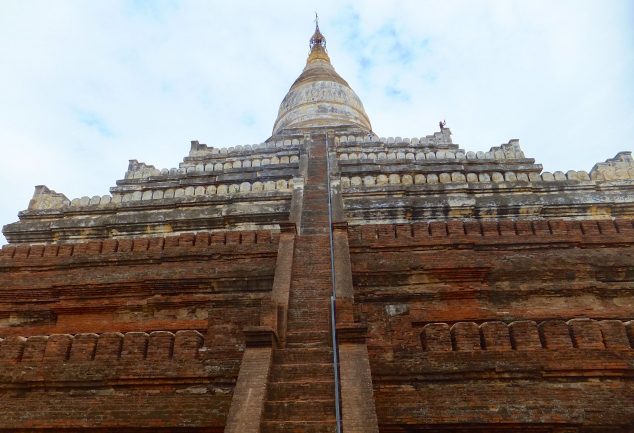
[[472, 233], [437, 139], [423, 164], [391, 155], [244, 205], [207, 171], [460, 177], [408, 179], [50, 201], [110, 346], [217, 189], [212, 187], [177, 244], [390, 179], [110, 381], [203, 160], [577, 333], [504, 163], [201, 150]]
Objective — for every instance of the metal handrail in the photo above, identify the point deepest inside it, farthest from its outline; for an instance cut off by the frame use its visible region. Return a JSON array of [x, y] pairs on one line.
[[333, 298]]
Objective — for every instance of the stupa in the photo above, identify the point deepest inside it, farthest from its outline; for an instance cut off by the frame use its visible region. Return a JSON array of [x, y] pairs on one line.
[[325, 280]]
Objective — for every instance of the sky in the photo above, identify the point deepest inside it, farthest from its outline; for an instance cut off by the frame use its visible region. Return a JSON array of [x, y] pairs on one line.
[[87, 85]]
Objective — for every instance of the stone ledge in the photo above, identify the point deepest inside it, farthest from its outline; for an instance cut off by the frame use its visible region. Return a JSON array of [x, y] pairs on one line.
[[260, 336], [191, 243], [619, 231], [577, 333], [352, 333], [107, 347]]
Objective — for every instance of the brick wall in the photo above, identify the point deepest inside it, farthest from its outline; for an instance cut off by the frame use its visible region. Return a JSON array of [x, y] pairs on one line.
[[498, 325], [129, 334]]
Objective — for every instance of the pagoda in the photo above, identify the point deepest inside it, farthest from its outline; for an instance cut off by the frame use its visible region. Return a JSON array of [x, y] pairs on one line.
[[325, 280]]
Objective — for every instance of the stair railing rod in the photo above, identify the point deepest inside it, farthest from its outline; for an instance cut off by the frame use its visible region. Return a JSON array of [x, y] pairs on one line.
[[333, 315]]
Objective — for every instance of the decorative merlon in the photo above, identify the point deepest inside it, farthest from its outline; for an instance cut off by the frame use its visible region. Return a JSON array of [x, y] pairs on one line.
[[45, 198], [508, 150], [144, 170], [617, 168]]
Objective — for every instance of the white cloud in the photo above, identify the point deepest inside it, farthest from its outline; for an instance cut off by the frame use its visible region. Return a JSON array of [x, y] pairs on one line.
[[85, 86]]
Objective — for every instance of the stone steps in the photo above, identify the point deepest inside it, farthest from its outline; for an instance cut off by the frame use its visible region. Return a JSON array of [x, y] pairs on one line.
[[322, 305], [308, 321], [321, 264], [298, 427], [302, 373], [302, 356], [319, 290], [299, 390], [297, 308], [300, 410], [308, 336], [300, 393], [311, 301]]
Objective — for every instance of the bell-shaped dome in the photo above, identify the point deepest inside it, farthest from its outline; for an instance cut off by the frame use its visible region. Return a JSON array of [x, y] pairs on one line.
[[320, 97]]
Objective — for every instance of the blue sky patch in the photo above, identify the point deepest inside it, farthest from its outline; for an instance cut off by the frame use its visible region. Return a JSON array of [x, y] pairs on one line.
[[395, 93], [95, 122], [154, 9], [247, 119]]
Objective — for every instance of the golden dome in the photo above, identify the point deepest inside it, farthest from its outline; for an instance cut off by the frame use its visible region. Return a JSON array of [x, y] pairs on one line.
[[320, 97]]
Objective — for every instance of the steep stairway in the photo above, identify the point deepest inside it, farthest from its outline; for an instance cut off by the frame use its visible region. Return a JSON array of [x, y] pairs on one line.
[[300, 395]]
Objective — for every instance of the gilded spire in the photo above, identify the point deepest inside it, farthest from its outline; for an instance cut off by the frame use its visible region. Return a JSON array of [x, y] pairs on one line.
[[317, 44], [319, 97]]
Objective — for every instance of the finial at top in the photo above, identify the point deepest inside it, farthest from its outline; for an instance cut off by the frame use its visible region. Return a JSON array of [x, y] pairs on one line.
[[317, 39]]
